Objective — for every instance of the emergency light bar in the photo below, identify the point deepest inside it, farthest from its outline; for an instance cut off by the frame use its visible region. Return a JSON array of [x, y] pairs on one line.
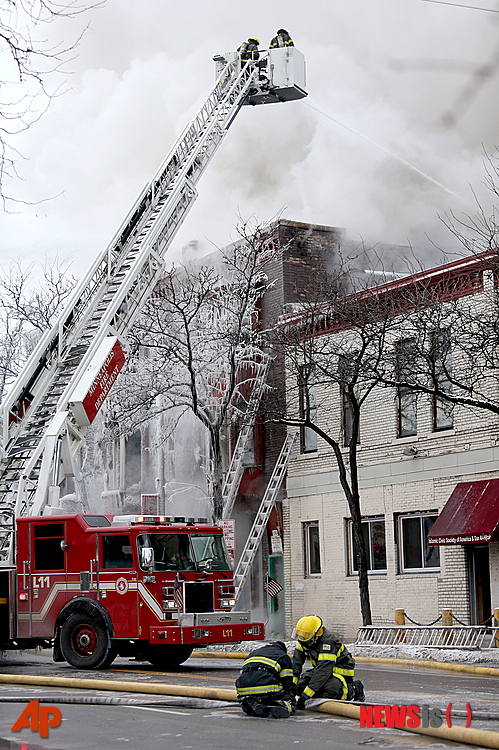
[[157, 520]]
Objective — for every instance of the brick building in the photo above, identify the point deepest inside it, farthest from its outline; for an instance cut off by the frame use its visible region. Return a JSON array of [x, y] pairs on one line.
[[124, 470], [409, 466]]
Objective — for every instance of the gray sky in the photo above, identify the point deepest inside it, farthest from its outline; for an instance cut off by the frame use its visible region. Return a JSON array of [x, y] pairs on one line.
[[399, 72]]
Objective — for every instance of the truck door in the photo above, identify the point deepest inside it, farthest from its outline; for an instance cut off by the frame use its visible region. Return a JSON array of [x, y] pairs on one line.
[[41, 578], [118, 583]]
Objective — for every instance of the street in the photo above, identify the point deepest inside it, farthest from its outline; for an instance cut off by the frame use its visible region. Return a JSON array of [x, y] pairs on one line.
[[102, 719]]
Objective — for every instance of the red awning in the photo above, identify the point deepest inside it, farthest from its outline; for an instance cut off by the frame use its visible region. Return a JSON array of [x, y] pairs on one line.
[[470, 515]]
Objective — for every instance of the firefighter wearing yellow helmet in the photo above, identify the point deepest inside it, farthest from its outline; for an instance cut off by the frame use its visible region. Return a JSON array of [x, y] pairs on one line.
[[249, 50], [332, 675]]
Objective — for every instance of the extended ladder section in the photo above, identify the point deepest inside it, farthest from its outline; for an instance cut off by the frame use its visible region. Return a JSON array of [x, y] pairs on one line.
[[236, 467], [255, 537], [43, 423]]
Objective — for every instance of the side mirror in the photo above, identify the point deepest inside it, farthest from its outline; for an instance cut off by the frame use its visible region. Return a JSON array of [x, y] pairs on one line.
[[147, 558]]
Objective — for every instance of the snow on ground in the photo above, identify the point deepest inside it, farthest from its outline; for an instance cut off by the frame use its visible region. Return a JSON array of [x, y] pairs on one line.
[[487, 657]]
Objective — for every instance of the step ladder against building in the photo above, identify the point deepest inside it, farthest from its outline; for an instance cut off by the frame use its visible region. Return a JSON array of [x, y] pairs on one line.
[[261, 519], [432, 636], [236, 468]]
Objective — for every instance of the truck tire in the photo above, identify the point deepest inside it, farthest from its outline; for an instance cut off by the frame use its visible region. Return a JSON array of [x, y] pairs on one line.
[[85, 642], [168, 657], [111, 656]]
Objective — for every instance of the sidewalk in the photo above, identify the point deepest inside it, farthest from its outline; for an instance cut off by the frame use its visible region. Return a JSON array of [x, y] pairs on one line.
[[469, 660]]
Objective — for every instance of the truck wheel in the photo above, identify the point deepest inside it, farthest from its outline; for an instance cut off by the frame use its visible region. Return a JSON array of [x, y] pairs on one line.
[[168, 657], [111, 656], [85, 642]]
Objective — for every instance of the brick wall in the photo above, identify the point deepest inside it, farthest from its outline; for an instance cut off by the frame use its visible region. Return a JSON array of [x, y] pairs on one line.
[[392, 483]]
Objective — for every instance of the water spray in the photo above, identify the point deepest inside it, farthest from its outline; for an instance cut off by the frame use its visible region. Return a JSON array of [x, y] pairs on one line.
[[387, 151]]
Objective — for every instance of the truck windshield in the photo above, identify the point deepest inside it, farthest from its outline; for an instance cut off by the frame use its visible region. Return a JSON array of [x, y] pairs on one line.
[[171, 551], [186, 551], [210, 551]]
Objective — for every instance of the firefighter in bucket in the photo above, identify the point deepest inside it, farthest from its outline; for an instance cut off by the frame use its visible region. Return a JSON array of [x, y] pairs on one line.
[[265, 684]]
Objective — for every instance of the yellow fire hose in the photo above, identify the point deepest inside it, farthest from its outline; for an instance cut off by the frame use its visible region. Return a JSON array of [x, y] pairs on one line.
[[480, 737]]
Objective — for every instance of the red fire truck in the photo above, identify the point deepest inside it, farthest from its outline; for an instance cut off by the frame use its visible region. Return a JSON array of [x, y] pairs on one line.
[[97, 586]]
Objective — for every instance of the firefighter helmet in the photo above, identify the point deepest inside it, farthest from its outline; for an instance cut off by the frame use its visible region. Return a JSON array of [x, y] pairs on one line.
[[309, 628], [254, 39], [283, 31]]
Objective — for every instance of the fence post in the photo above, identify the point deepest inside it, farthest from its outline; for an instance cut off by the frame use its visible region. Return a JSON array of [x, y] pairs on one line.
[[447, 620], [400, 617], [399, 620], [496, 624], [447, 617]]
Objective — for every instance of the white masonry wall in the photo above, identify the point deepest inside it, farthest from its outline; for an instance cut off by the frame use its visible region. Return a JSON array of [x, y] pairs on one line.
[[391, 483]]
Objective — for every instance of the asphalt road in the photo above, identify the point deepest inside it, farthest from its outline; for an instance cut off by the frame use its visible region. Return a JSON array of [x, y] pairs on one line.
[[148, 722]]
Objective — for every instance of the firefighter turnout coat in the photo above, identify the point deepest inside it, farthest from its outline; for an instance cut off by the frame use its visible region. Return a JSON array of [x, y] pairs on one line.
[[266, 673], [331, 662], [281, 40]]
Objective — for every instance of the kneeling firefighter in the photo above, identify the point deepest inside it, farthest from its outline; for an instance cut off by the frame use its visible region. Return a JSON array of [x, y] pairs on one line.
[[265, 684], [333, 665]]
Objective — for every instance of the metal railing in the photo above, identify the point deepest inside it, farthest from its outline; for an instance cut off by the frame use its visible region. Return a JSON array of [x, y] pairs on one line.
[[455, 636]]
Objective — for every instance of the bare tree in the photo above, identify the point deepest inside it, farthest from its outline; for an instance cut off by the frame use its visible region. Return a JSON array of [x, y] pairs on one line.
[[196, 345], [451, 319], [27, 309], [29, 61], [332, 346]]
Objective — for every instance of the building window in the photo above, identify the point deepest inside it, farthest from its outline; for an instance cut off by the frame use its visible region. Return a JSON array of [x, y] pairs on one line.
[[312, 551], [347, 414], [249, 456], [406, 397], [133, 459], [308, 407], [373, 532], [443, 410], [415, 553]]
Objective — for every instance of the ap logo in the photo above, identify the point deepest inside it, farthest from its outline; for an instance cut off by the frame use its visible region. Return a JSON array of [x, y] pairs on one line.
[[38, 719]]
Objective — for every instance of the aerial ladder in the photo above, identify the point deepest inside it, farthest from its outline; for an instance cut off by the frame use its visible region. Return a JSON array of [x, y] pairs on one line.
[[54, 400]]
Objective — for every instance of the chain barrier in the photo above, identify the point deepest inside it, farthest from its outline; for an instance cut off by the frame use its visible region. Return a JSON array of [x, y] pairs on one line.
[[422, 625], [454, 619], [488, 620]]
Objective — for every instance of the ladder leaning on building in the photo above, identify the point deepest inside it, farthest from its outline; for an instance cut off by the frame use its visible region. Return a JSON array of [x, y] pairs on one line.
[[263, 514]]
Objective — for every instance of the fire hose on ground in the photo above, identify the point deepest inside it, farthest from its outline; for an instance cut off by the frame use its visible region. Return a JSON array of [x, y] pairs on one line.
[[480, 737]]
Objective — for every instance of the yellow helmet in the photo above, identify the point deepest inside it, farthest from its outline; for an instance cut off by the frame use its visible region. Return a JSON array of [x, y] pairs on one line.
[[254, 39], [309, 628]]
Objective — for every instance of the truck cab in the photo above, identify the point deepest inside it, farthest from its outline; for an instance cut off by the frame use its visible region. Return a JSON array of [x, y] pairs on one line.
[[153, 587]]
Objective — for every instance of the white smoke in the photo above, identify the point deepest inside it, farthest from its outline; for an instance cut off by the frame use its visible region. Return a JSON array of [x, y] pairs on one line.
[[388, 78]]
